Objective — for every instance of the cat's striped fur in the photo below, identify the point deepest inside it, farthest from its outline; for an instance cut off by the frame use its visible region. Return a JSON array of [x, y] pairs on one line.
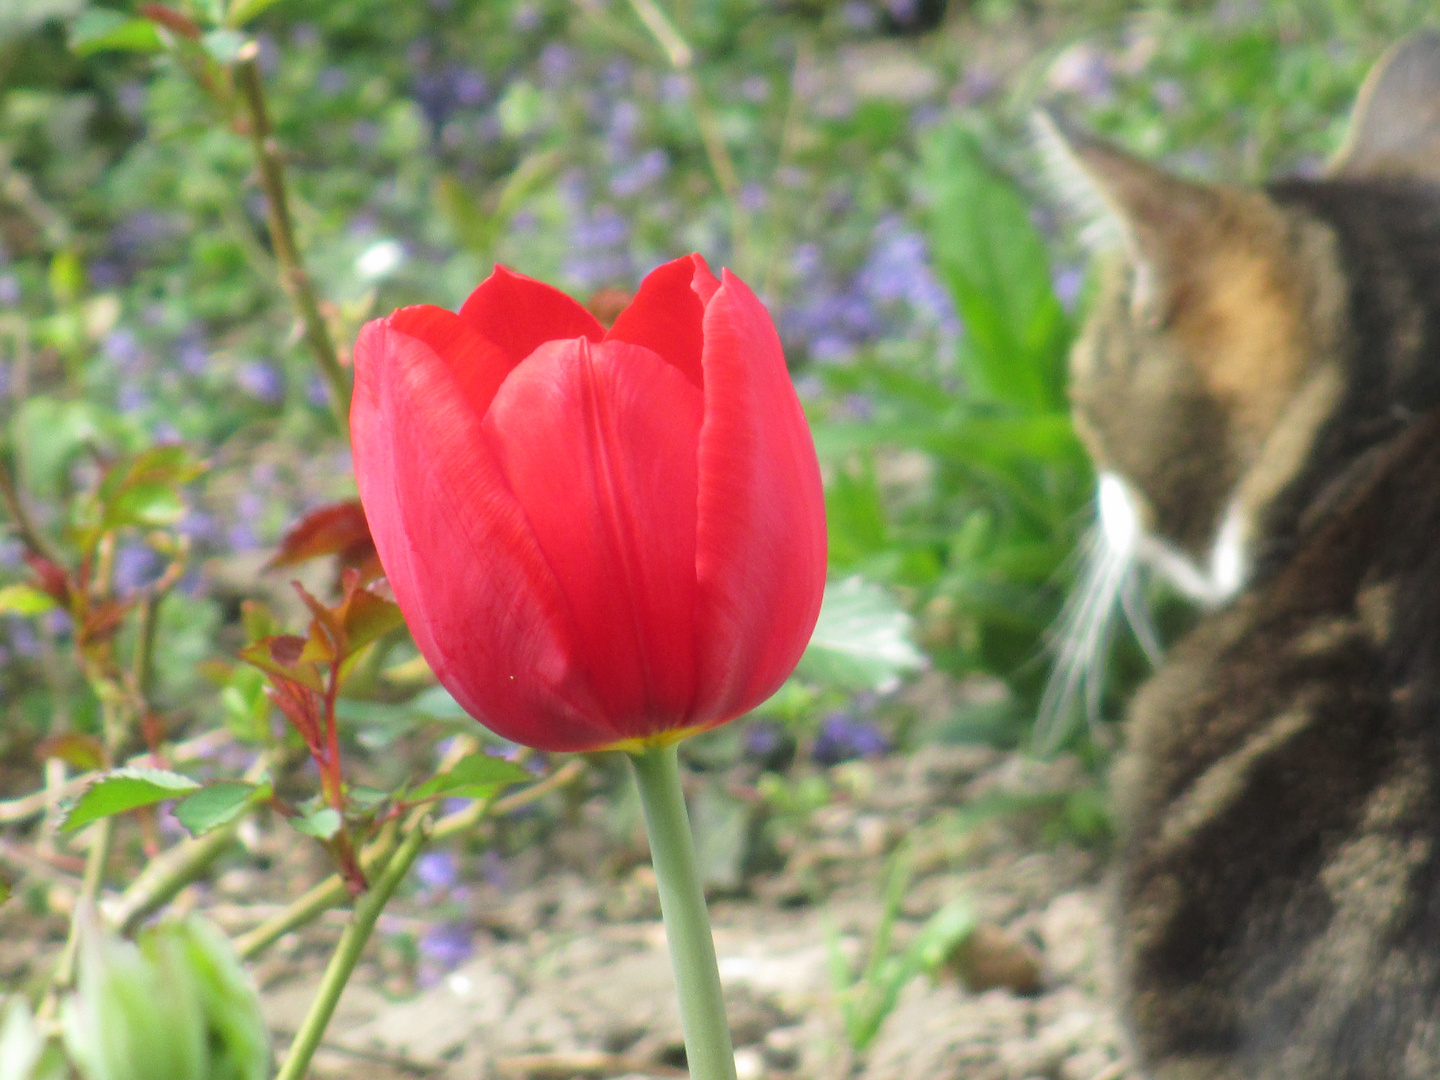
[[1260, 379]]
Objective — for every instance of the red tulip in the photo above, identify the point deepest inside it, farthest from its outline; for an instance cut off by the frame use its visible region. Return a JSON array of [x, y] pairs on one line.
[[599, 539]]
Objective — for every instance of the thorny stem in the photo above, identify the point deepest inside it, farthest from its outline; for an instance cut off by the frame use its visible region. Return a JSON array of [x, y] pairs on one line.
[[347, 953], [96, 859], [709, 1054], [282, 235], [331, 892], [30, 536]]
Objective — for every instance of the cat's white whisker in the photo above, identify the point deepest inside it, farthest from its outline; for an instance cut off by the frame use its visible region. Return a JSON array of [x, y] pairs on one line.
[[1085, 629]]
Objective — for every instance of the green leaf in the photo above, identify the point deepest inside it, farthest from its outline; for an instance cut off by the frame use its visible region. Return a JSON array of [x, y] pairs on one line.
[[145, 491], [473, 777], [322, 824], [242, 11], [103, 30], [995, 263], [218, 803], [862, 640], [125, 789], [24, 600]]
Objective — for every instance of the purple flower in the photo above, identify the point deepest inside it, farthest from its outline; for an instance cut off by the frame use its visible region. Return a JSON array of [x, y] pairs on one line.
[[754, 197], [493, 869], [648, 168], [199, 526], [620, 132], [1066, 282], [131, 98], [447, 945], [136, 565], [437, 869], [22, 636], [332, 81], [131, 397], [122, 349], [58, 622], [194, 357], [304, 36], [860, 16], [262, 382], [469, 87], [9, 290], [843, 738], [769, 745], [755, 89], [556, 63]]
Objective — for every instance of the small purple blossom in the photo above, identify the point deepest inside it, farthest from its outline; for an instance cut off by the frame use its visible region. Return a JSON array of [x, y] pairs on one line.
[[843, 738], [332, 81], [122, 348], [447, 945], [9, 290], [437, 869], [261, 381], [768, 744], [58, 623], [136, 565], [555, 64], [641, 175]]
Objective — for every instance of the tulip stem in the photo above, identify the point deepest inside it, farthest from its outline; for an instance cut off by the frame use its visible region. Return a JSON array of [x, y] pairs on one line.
[[708, 1051]]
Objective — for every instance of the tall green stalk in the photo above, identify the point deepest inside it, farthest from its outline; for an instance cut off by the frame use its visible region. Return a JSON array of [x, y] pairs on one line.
[[708, 1050]]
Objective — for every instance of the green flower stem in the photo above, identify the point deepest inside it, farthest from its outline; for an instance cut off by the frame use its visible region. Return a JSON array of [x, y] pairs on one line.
[[347, 953], [708, 1051]]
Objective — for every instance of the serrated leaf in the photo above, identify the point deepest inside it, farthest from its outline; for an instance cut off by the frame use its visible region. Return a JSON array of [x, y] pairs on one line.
[[216, 804], [125, 789], [102, 30], [368, 617], [862, 639], [24, 600], [473, 777], [284, 655], [322, 824]]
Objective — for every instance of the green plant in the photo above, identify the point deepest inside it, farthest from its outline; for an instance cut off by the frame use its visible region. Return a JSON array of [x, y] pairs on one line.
[[868, 994]]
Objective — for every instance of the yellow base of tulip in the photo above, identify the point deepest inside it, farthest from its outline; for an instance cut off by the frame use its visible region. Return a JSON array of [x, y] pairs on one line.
[[658, 741]]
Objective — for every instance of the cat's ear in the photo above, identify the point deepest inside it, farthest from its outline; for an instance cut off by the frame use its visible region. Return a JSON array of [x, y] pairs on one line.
[[1158, 218], [1395, 128]]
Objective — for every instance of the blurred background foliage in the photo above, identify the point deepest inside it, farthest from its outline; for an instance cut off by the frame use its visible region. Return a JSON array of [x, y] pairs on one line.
[[863, 163]]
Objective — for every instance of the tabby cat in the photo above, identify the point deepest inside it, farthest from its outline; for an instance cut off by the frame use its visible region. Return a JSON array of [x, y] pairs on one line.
[[1259, 385]]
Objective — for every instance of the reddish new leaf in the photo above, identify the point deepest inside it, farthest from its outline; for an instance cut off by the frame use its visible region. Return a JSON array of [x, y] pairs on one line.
[[338, 529]]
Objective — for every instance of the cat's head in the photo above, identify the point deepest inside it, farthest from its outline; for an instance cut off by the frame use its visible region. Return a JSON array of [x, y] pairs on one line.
[[1210, 357]]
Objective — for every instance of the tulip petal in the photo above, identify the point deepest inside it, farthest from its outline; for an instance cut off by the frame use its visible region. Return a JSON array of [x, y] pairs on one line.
[[597, 442], [519, 314], [760, 540], [477, 365], [666, 316], [473, 584]]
